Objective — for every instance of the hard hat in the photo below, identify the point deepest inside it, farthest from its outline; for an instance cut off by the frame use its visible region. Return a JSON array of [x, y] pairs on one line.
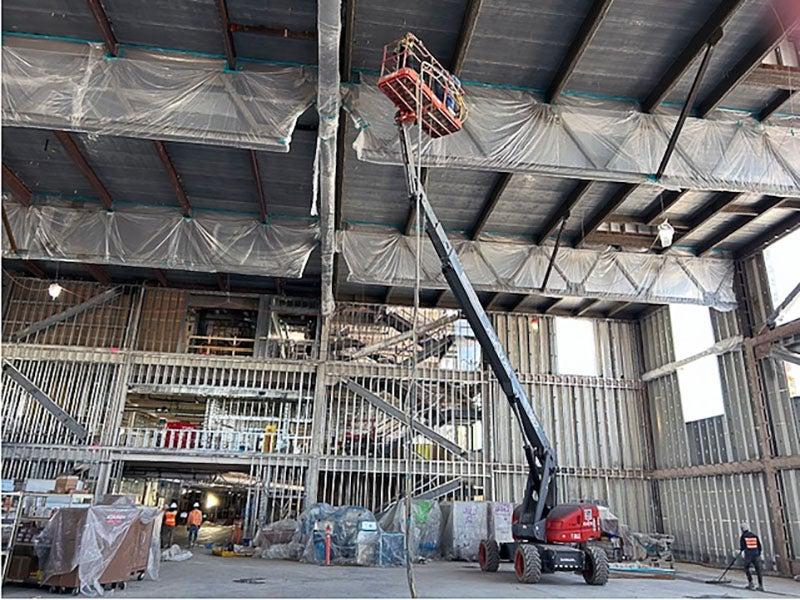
[[173, 505], [745, 527], [196, 505]]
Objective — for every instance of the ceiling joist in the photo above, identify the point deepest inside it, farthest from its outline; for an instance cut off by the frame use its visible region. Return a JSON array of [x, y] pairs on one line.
[[503, 179], [21, 191], [101, 18], [174, 179]]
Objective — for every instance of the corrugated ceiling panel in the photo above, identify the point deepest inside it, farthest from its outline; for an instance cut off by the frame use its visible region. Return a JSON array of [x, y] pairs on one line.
[[40, 161], [129, 168], [186, 24], [373, 194], [379, 22], [636, 43], [287, 178], [593, 200], [527, 203], [458, 196], [522, 43], [638, 201], [296, 16], [741, 32], [215, 178], [51, 17], [746, 97], [755, 228]]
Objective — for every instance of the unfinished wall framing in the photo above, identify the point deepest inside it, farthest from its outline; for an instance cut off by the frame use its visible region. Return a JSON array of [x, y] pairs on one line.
[[310, 409]]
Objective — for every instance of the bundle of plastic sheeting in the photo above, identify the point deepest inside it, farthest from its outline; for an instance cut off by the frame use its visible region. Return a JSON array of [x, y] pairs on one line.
[[513, 131], [345, 535], [465, 525], [388, 259], [85, 548], [609, 523], [175, 554], [157, 237], [71, 86], [275, 540], [426, 525]]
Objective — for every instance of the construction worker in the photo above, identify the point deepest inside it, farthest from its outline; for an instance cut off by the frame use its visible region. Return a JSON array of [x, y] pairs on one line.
[[193, 522], [750, 546], [168, 525]]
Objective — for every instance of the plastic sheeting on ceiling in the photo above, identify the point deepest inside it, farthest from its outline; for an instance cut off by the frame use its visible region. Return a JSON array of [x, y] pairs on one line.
[[160, 238], [381, 259], [509, 130], [74, 87]]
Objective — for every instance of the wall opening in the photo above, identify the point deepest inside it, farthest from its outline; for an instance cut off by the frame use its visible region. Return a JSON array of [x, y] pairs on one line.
[[699, 381], [576, 351]]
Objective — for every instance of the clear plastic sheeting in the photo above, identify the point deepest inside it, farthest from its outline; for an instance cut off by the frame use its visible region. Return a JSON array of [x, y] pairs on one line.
[[329, 26], [509, 130], [426, 526], [85, 548], [465, 525], [347, 535], [159, 238], [500, 519], [72, 86], [275, 540], [388, 259]]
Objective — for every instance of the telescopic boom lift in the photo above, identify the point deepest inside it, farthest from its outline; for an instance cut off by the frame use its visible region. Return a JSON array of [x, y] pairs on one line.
[[548, 537]]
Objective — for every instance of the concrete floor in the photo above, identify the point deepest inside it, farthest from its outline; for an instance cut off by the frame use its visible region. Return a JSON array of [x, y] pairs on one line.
[[205, 576]]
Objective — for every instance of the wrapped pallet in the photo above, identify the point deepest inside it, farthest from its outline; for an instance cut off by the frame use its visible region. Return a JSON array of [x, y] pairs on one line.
[[426, 526], [87, 548], [499, 521], [465, 525]]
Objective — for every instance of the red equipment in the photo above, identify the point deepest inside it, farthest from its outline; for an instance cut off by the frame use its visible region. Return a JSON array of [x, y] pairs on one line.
[[573, 523], [180, 434], [408, 73]]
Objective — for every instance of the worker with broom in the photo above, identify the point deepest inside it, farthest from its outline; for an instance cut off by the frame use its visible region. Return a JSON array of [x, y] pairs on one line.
[[750, 547]]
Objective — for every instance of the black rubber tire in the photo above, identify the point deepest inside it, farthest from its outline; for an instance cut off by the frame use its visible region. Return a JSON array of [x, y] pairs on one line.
[[527, 563], [121, 585], [596, 570], [489, 556], [140, 576]]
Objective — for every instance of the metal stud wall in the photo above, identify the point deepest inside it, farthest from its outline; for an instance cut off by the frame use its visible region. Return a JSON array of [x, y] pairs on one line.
[[344, 414]]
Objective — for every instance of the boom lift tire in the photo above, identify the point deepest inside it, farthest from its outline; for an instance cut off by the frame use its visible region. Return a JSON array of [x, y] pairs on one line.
[[596, 570], [527, 563], [489, 556]]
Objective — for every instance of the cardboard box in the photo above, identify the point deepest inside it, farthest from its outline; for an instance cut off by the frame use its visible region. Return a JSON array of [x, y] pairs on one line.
[[19, 568], [66, 484]]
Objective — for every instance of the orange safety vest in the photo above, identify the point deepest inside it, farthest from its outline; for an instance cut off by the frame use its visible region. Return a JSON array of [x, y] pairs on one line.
[[195, 517], [751, 543], [169, 518]]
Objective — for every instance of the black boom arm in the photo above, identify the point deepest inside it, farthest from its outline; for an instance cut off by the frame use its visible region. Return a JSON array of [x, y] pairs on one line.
[[540, 490]]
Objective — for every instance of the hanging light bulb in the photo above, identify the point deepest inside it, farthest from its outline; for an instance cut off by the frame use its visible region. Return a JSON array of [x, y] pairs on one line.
[[665, 234], [54, 290]]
